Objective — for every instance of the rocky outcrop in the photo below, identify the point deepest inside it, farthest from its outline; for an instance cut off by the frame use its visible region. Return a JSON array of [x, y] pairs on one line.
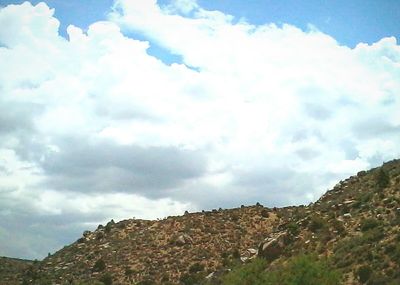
[[272, 247]]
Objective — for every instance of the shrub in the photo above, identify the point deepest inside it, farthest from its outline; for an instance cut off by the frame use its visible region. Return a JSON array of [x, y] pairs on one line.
[[248, 274], [369, 224], [293, 228], [99, 265], [382, 179], [106, 279], [364, 273], [316, 223], [307, 269], [196, 267], [265, 213], [300, 270]]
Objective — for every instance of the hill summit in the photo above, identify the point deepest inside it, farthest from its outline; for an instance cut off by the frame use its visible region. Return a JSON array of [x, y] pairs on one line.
[[355, 225]]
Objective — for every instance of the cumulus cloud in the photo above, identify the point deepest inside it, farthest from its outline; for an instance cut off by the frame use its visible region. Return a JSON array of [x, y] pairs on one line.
[[92, 127]]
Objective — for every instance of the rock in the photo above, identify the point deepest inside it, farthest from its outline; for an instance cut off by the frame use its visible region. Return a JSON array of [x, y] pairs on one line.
[[272, 247], [252, 251], [86, 233], [347, 215], [183, 239], [210, 275]]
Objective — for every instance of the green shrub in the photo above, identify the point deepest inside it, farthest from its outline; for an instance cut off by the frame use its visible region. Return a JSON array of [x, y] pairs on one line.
[[300, 270], [196, 267], [382, 179], [293, 228], [369, 224], [307, 269], [247, 274], [364, 273], [316, 223], [106, 279], [99, 265]]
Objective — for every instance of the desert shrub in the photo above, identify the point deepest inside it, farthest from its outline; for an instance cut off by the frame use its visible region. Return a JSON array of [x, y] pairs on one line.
[[307, 269], [395, 254], [369, 224], [382, 179], [196, 267], [338, 226], [236, 253], [366, 197], [300, 270], [316, 223], [364, 273], [99, 265], [248, 274], [191, 279], [293, 228], [373, 235], [264, 213], [106, 279]]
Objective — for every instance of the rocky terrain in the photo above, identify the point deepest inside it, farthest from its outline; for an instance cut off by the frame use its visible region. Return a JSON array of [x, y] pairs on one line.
[[356, 225], [12, 270]]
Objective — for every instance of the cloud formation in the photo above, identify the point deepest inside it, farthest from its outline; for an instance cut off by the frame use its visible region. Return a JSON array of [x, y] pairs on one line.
[[92, 127]]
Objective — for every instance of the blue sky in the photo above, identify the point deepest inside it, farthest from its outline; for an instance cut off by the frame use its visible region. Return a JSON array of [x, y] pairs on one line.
[[349, 22], [160, 107]]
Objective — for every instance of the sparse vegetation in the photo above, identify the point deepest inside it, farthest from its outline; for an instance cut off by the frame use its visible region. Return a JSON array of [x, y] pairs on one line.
[[356, 224]]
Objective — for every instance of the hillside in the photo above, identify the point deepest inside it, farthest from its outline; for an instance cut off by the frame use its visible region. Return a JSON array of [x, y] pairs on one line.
[[12, 270], [355, 225]]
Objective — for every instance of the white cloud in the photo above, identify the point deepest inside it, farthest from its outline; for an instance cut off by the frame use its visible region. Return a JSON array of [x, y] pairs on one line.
[[254, 113]]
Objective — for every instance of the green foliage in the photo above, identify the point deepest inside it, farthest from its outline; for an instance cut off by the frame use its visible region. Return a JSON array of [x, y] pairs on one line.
[[382, 179], [248, 274], [191, 279], [308, 270], [99, 265], [369, 224], [395, 254], [293, 228], [106, 279], [300, 270], [364, 273], [316, 223], [196, 267]]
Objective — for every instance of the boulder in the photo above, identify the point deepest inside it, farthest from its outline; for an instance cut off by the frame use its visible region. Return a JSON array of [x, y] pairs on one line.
[[183, 239], [272, 247]]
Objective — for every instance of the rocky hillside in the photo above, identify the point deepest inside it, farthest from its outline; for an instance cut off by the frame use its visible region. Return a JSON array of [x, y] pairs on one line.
[[356, 225], [13, 269]]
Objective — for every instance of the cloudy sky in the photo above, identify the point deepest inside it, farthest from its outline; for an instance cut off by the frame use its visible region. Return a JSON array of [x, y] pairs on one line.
[[132, 108]]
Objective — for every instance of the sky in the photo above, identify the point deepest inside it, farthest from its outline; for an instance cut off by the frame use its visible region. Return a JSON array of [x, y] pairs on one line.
[[145, 109]]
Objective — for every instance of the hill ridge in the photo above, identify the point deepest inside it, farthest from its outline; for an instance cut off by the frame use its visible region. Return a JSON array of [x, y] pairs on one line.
[[357, 217]]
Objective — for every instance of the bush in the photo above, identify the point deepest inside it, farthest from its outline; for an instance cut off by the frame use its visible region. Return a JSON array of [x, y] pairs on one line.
[[369, 224], [316, 223], [300, 270], [247, 274], [293, 228], [196, 267], [106, 279], [382, 179], [364, 273], [99, 265], [307, 269]]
